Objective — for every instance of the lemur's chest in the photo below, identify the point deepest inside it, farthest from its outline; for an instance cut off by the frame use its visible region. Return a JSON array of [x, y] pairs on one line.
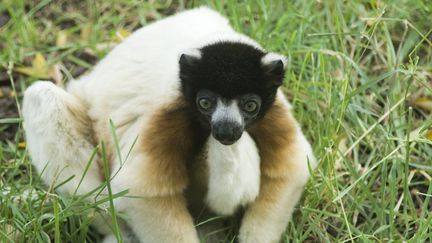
[[228, 177]]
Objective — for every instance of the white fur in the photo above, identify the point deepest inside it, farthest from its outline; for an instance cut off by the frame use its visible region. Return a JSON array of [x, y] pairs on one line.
[[131, 83], [58, 149], [269, 226], [225, 112], [141, 73], [271, 57], [128, 86], [192, 52], [234, 174]]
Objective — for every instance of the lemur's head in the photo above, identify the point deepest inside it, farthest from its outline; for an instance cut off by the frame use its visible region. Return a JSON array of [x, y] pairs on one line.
[[230, 85]]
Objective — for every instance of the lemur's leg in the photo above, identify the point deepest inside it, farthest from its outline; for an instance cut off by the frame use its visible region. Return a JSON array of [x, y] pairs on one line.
[[159, 219], [285, 154], [156, 177], [267, 218], [58, 134]]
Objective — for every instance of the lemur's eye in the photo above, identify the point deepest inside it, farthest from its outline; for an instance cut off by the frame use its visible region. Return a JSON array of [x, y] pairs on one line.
[[250, 106], [205, 103]]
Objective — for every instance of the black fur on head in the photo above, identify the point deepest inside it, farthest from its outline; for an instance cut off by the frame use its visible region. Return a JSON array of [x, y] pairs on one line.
[[231, 69]]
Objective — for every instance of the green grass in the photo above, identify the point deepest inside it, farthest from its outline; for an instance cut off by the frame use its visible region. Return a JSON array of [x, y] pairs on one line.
[[359, 79]]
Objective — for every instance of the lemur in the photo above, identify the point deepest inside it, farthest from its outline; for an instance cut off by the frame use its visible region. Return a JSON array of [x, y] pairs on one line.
[[198, 119]]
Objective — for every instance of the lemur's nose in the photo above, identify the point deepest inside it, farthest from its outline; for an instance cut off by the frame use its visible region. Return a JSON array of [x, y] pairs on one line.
[[227, 132]]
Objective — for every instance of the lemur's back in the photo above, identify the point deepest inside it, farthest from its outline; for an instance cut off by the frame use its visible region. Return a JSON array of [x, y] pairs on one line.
[[141, 73], [137, 86], [143, 70]]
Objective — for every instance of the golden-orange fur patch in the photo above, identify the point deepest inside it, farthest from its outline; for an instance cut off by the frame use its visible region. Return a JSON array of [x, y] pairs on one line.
[[275, 136], [171, 140]]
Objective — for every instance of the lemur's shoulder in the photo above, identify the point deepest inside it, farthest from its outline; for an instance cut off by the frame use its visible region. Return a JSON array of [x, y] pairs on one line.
[[170, 139], [278, 136]]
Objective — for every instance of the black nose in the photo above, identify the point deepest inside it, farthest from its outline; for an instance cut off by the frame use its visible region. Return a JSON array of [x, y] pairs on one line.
[[227, 133]]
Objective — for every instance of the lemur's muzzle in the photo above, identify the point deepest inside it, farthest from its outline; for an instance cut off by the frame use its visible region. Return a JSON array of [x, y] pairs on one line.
[[227, 123], [227, 132]]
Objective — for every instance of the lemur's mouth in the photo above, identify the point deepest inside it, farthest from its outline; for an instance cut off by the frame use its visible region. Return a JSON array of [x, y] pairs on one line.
[[227, 142]]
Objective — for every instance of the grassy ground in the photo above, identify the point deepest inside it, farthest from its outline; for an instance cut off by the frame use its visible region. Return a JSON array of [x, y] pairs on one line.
[[359, 78]]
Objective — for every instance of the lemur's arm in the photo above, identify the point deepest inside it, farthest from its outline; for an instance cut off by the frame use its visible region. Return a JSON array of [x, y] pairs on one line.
[[156, 177], [161, 219], [285, 154]]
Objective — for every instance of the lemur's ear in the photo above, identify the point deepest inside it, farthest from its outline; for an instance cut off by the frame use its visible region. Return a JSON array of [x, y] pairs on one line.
[[189, 58], [274, 65]]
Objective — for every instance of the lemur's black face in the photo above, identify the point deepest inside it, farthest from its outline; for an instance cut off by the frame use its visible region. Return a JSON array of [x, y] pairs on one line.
[[229, 86], [227, 117]]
